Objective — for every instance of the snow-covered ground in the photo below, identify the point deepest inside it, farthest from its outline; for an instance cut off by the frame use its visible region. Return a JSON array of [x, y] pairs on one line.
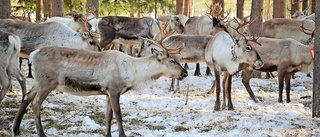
[[155, 112]]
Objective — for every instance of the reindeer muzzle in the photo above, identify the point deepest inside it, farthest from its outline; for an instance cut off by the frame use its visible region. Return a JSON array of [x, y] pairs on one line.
[[183, 74]]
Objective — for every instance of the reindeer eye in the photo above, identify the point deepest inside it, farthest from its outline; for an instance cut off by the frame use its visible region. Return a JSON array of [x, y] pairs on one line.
[[92, 43], [172, 61], [248, 48]]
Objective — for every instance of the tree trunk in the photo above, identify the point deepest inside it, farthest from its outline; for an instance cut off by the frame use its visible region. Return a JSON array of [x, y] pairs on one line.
[[316, 71], [256, 14], [47, 8], [295, 6], [279, 8], [191, 11], [240, 5], [57, 8], [256, 26], [93, 5], [179, 6], [313, 7], [38, 10], [187, 8], [304, 5], [5, 6]]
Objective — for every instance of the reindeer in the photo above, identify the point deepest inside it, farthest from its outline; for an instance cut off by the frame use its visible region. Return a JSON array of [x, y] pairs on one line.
[[77, 22], [34, 36], [303, 16], [9, 53], [183, 18], [109, 73], [223, 55], [121, 29], [287, 28], [192, 50], [286, 56], [208, 24]]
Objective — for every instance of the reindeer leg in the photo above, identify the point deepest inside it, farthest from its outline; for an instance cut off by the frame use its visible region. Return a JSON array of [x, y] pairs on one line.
[[108, 116], [228, 91], [287, 82], [247, 75], [30, 73], [218, 89], [186, 67], [172, 86], [197, 71], [21, 80], [211, 91], [281, 75], [5, 82], [224, 90], [20, 60], [114, 97], [22, 109], [41, 94], [178, 87], [208, 72]]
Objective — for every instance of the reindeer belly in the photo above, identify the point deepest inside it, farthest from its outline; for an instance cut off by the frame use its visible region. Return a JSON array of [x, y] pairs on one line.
[[80, 87]]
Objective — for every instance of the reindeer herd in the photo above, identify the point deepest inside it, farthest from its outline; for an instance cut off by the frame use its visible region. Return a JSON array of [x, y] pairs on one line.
[[75, 55]]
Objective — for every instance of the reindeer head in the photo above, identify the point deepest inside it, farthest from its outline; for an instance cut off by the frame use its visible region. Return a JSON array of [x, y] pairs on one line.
[[81, 21]]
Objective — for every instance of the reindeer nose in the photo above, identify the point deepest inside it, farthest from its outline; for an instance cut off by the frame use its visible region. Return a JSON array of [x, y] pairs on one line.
[[183, 75]]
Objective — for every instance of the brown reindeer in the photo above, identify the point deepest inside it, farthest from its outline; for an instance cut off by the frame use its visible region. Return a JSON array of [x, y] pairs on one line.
[[82, 72]]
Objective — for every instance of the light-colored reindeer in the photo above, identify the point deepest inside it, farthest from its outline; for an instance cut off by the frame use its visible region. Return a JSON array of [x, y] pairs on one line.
[[37, 35], [77, 22], [287, 28], [9, 53], [223, 55], [82, 72]]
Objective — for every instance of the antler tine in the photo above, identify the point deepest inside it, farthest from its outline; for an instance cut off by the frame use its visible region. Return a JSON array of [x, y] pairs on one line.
[[215, 10], [228, 13], [239, 26], [255, 40]]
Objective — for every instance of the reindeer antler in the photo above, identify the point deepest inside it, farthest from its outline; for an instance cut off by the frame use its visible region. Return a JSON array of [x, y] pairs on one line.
[[303, 29], [254, 39], [215, 11]]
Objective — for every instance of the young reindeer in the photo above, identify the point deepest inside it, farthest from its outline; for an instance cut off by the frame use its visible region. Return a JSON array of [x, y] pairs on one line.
[[109, 73], [9, 53]]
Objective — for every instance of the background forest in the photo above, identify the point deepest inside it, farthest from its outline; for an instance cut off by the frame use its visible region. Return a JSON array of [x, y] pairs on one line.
[[154, 8]]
